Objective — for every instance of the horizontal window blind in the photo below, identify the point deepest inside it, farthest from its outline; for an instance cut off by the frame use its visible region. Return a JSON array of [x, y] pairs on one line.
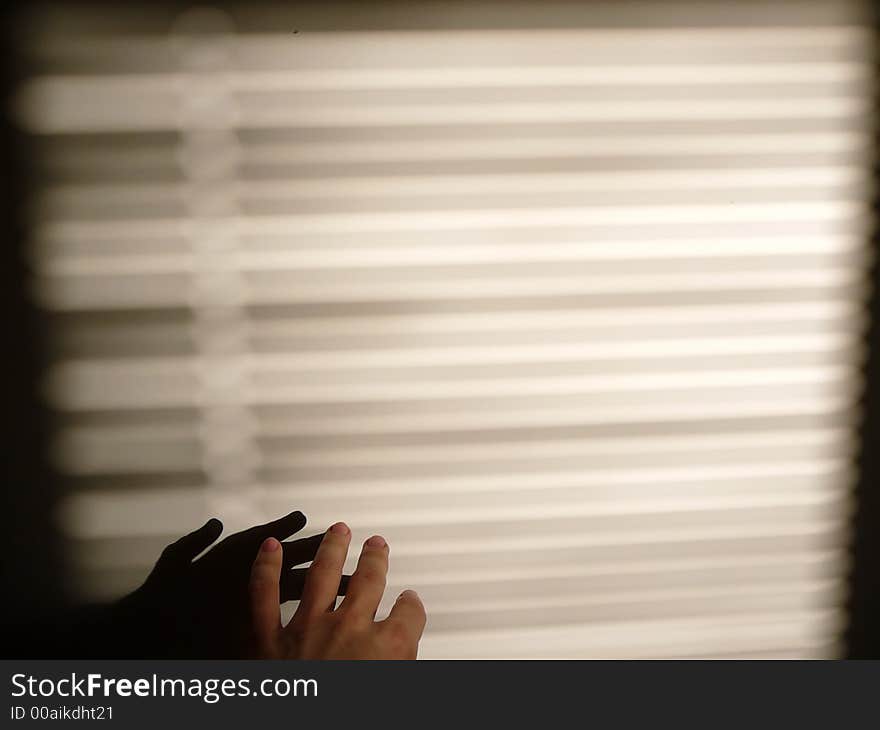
[[571, 315]]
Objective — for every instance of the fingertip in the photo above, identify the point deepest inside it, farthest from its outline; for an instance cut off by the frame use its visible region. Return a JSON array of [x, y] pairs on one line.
[[339, 528], [409, 611], [295, 518], [284, 526], [186, 548], [410, 596], [270, 545], [213, 527]]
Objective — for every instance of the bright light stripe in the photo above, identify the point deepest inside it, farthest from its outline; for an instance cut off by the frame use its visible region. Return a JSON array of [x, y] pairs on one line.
[[677, 593], [473, 355], [625, 479], [451, 598], [624, 145], [172, 379], [262, 191], [274, 335], [142, 291], [828, 309], [349, 79], [290, 289], [636, 511], [649, 510], [833, 209], [648, 568], [541, 76], [542, 446], [846, 29], [709, 385], [838, 441], [411, 357], [508, 113], [575, 414], [616, 180], [797, 596], [76, 395], [637, 638], [848, 140], [55, 261], [779, 527], [145, 114], [774, 34], [818, 211], [644, 511]]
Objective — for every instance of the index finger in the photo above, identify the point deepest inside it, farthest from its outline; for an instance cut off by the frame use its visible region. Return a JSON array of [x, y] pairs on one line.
[[264, 596]]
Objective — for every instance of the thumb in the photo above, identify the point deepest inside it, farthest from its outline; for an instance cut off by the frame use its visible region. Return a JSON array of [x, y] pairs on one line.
[[408, 618], [265, 597]]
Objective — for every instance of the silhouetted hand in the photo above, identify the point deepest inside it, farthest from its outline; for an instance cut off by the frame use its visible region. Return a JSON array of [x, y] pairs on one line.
[[199, 608], [317, 631]]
